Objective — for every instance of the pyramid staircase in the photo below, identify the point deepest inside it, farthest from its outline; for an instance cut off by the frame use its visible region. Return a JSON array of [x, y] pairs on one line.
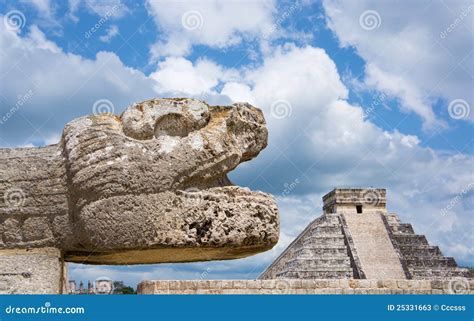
[[356, 231], [319, 252], [419, 258], [324, 250]]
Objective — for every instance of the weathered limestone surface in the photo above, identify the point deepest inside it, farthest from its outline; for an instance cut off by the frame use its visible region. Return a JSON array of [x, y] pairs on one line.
[[148, 186], [314, 286], [375, 250], [35, 271]]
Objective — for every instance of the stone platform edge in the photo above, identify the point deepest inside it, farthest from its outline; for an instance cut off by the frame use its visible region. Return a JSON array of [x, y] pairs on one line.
[[316, 286]]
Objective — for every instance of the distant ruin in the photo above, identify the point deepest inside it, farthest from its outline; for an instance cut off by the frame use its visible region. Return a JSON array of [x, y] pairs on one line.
[[357, 238], [100, 286], [148, 186]]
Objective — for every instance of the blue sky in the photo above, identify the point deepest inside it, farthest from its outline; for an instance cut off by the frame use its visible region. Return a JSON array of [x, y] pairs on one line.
[[355, 94]]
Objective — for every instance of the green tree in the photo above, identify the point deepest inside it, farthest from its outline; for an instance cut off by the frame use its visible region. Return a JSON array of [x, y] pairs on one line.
[[120, 288]]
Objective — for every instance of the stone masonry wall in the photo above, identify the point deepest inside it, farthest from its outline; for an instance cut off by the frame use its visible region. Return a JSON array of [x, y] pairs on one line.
[[321, 286], [32, 271]]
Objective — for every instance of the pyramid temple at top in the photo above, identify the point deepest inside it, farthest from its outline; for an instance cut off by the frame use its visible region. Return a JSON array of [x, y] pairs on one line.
[[357, 238]]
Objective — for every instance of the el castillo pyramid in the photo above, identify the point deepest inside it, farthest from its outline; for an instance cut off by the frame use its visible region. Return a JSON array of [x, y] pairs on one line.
[[357, 238]]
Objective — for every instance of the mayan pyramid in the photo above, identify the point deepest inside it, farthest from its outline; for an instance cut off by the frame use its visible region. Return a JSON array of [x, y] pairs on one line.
[[357, 238]]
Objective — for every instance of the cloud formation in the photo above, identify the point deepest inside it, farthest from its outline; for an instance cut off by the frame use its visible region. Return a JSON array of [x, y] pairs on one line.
[[417, 56], [216, 24]]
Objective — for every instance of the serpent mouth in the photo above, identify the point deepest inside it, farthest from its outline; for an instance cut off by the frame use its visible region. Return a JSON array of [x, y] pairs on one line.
[[217, 223]]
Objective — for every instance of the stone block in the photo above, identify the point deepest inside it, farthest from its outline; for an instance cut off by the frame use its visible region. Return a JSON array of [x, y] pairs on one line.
[[253, 284], [364, 283], [320, 283], [294, 283], [344, 283], [175, 285], [214, 284], [403, 284], [34, 271], [333, 283], [347, 291], [239, 284], [353, 283], [267, 284], [147, 287], [226, 284], [161, 285]]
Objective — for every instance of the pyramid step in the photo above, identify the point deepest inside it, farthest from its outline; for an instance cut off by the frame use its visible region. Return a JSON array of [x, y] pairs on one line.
[[402, 228], [392, 219], [317, 274], [420, 250], [331, 219], [327, 229], [309, 264], [410, 239], [430, 262], [333, 241], [424, 273], [321, 251]]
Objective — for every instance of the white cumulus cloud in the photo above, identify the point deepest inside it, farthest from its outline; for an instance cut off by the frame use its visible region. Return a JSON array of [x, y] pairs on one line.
[[215, 23], [416, 51]]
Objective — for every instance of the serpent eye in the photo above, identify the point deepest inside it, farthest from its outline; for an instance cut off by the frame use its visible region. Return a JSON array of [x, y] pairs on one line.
[[171, 125], [178, 125], [165, 117]]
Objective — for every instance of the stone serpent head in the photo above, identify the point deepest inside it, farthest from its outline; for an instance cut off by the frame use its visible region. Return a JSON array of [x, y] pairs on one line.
[[151, 186]]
